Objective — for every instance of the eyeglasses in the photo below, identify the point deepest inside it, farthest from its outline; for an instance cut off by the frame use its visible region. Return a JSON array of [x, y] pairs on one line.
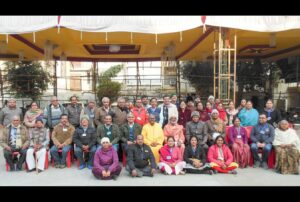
[[105, 142], [16, 120]]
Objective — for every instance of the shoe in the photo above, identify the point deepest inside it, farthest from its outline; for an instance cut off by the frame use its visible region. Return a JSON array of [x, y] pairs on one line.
[[62, 166], [215, 171], [139, 173], [39, 170], [181, 173], [33, 169], [82, 166], [114, 177], [233, 172], [210, 172], [18, 169], [57, 165], [256, 164], [265, 166], [90, 167]]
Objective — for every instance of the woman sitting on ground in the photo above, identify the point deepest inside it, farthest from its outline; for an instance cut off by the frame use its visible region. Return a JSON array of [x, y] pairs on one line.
[[106, 162], [170, 158], [195, 158], [220, 157]]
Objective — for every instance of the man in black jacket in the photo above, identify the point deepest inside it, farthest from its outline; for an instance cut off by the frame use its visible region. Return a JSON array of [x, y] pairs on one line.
[[85, 140], [139, 156]]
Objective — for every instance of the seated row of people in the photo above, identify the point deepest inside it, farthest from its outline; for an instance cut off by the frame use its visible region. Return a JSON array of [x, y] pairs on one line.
[[85, 140]]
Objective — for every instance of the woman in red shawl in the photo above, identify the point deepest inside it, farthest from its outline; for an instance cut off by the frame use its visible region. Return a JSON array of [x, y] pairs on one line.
[[220, 157], [222, 112]]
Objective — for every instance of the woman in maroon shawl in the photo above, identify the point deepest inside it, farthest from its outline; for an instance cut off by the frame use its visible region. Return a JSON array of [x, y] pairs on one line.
[[238, 141], [208, 109], [184, 114], [203, 113]]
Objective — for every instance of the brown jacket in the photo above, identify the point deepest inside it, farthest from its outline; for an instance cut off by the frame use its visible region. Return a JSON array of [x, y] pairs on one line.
[[100, 115], [4, 136], [120, 117], [60, 137]]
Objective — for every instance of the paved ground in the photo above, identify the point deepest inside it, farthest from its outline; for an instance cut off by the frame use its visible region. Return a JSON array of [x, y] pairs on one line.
[[74, 177]]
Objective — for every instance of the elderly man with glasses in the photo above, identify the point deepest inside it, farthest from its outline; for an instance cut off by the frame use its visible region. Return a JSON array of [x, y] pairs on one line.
[[15, 138]]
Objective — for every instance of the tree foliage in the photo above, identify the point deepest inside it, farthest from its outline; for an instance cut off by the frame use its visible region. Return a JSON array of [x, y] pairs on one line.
[[107, 87], [200, 75], [253, 75], [26, 79]]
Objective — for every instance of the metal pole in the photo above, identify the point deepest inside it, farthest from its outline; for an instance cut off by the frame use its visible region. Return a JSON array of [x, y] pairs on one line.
[[1, 88], [297, 72], [55, 79], [228, 71], [94, 80], [234, 70], [214, 69], [219, 62], [137, 78], [178, 79]]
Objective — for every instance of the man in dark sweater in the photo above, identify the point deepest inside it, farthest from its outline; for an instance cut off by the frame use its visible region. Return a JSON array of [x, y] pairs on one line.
[[262, 136], [138, 157], [273, 115]]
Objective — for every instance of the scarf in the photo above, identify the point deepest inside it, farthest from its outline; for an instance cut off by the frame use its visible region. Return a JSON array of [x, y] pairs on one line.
[[219, 123], [269, 111], [16, 138], [38, 135]]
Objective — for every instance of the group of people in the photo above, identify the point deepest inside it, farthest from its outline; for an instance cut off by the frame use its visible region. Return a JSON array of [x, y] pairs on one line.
[[175, 137]]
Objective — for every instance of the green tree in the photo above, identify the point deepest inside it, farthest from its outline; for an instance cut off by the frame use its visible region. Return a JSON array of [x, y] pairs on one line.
[[200, 75], [107, 87], [26, 79]]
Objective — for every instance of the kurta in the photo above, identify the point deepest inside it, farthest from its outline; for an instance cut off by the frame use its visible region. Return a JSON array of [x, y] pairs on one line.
[[177, 132], [153, 133], [248, 117]]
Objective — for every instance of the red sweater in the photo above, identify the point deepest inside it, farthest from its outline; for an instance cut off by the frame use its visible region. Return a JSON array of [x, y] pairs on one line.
[[213, 155], [140, 116]]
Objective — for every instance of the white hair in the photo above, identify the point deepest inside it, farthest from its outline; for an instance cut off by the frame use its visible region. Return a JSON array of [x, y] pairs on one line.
[[105, 139]]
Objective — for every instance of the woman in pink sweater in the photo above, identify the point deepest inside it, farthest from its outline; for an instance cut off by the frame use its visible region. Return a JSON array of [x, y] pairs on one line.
[[171, 161]]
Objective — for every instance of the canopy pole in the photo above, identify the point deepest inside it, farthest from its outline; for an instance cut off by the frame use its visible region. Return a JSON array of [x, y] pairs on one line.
[[178, 86], [94, 80], [297, 72], [1, 87], [138, 79], [55, 79]]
